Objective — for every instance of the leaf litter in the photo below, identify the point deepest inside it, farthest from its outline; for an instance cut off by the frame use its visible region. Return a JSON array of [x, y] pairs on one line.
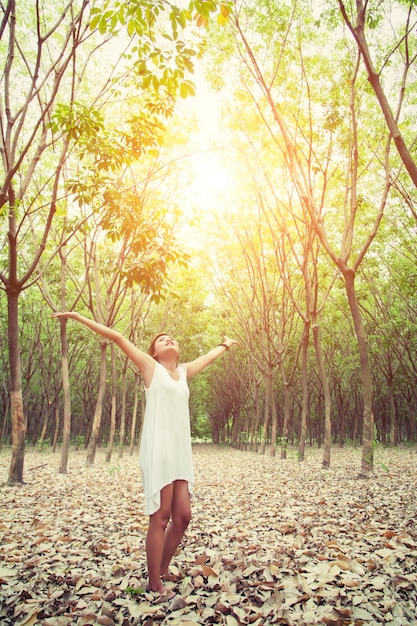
[[271, 541]]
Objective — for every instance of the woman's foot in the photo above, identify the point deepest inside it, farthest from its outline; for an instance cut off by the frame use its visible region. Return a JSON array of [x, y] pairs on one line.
[[157, 588], [171, 578], [162, 595]]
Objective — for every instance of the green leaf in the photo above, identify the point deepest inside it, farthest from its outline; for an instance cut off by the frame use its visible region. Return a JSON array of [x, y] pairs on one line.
[[133, 591], [102, 27]]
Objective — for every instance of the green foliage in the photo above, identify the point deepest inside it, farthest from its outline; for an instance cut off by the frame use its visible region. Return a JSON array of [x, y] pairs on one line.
[[43, 444], [201, 429], [144, 134], [134, 591], [79, 442], [162, 61], [77, 121], [152, 245], [114, 469]]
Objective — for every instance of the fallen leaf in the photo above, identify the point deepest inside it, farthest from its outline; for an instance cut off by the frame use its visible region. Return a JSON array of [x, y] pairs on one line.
[[271, 541]]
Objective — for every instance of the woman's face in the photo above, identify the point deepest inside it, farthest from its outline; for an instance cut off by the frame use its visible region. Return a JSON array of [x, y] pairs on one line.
[[165, 345]]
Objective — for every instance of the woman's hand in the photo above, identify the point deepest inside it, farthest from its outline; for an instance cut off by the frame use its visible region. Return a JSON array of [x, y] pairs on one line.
[[68, 314], [227, 342]]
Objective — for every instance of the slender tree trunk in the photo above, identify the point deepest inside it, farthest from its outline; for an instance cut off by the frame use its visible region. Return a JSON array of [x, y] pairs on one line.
[[113, 403], [4, 427], [134, 415], [45, 424], [367, 387], [66, 427], [392, 412], [16, 399], [142, 412], [411, 419], [327, 397], [256, 421], [274, 423], [92, 444], [341, 416], [56, 431], [247, 431], [304, 408], [285, 426], [268, 385], [123, 415]]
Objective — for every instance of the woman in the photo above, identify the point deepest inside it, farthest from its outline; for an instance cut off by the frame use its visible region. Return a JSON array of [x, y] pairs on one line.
[[165, 449]]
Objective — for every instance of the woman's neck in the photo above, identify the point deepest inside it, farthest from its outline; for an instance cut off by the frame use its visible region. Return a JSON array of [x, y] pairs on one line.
[[169, 364]]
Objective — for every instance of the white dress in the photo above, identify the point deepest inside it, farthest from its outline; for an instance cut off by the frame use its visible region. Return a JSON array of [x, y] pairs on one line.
[[165, 447]]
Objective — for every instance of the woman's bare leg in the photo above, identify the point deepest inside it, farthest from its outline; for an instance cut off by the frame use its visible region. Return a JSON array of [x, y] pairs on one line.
[[155, 539], [181, 515]]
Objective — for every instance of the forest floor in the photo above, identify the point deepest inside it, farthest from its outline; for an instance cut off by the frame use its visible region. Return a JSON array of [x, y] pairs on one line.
[[271, 542]]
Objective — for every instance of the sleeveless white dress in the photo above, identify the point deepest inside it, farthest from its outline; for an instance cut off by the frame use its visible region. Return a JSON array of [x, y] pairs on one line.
[[165, 448]]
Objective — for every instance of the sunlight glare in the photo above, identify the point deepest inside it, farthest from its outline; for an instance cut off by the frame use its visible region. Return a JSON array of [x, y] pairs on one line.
[[213, 178]]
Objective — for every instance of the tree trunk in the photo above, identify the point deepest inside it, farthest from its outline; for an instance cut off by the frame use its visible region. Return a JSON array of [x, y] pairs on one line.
[[327, 398], [56, 431], [92, 444], [256, 421], [16, 400], [142, 406], [123, 415], [304, 408], [274, 423], [113, 403], [285, 426], [4, 427], [134, 415], [66, 427], [268, 385], [393, 421], [45, 425], [367, 387]]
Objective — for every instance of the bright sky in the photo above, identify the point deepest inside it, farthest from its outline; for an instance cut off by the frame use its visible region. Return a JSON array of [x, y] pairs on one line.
[[213, 183]]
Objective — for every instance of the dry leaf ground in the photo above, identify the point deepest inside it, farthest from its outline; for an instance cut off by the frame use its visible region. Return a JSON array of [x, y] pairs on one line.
[[270, 542]]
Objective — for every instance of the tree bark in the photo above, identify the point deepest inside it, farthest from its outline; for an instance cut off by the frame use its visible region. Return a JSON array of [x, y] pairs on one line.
[[256, 420], [4, 427], [66, 428], [285, 427], [135, 414], [274, 423], [113, 403], [16, 399], [327, 398], [367, 386], [92, 444], [45, 425], [392, 413], [56, 430], [304, 408], [123, 414], [268, 388]]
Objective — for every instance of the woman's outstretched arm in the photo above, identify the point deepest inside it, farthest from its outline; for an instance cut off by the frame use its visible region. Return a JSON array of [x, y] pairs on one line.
[[142, 360], [196, 366]]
